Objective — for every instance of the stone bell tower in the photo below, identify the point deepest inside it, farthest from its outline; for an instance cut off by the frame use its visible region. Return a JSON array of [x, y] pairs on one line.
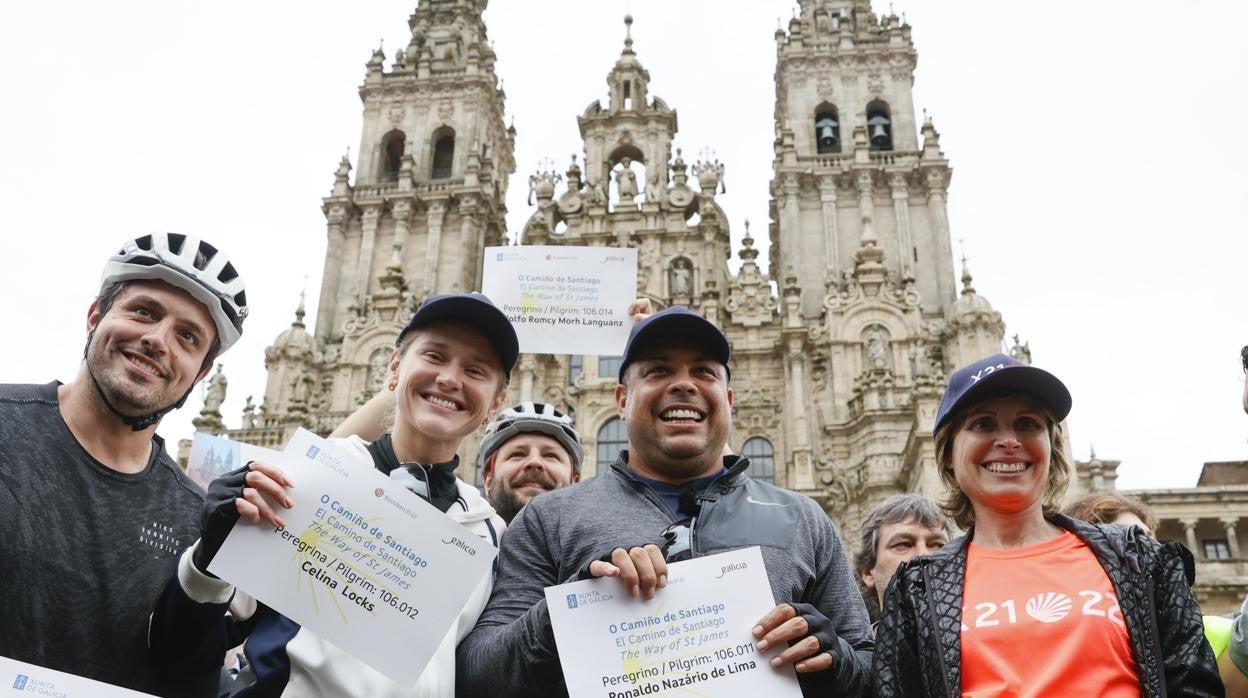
[[428, 196], [860, 230], [631, 192]]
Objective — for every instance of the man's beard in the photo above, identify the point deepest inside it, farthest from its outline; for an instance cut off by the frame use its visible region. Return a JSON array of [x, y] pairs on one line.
[[124, 394], [506, 499]]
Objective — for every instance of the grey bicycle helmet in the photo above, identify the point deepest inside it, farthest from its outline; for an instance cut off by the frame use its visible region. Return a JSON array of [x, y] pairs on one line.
[[532, 418]]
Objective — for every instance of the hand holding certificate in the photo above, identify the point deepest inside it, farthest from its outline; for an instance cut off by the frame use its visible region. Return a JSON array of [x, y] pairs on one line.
[[360, 561], [693, 635]]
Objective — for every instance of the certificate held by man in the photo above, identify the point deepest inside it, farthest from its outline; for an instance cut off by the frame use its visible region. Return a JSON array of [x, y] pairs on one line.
[[361, 561], [693, 638], [564, 299]]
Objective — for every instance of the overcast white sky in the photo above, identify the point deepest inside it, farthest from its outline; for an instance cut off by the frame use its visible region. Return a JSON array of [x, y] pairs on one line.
[[1097, 150]]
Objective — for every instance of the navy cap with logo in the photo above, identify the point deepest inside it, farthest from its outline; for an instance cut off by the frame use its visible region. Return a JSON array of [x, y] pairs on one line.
[[676, 321], [474, 310], [999, 376]]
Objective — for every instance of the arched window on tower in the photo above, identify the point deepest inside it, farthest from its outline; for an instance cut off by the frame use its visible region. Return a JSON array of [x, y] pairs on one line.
[[762, 458], [879, 126], [443, 152], [393, 145], [612, 437], [827, 129]]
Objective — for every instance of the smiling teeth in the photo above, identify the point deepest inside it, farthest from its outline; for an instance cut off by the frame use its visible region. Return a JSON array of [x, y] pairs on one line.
[[1006, 467], [442, 403], [682, 414]]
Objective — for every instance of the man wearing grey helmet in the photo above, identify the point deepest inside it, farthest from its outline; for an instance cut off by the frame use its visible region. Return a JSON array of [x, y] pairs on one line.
[[93, 511], [528, 449]]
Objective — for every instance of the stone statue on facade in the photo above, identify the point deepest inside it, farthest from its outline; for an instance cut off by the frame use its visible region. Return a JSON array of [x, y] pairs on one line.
[[626, 181], [378, 368], [249, 414], [920, 366], [877, 349], [681, 277], [596, 194], [215, 396], [1022, 352], [654, 192]]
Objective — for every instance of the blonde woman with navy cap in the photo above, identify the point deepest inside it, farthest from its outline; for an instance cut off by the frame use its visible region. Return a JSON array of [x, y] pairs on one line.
[[449, 374], [1030, 602]]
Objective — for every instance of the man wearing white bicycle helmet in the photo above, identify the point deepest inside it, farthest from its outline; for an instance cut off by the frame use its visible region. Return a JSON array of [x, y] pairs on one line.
[[93, 511], [528, 449]]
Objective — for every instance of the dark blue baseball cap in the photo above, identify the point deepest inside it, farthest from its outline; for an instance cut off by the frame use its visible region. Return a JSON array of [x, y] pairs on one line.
[[476, 311], [999, 376], [676, 321]]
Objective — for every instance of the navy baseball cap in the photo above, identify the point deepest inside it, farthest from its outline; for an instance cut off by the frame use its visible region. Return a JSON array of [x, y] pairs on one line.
[[998, 376], [676, 321], [476, 311]]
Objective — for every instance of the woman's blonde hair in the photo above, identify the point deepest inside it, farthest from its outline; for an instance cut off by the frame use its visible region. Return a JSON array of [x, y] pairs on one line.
[[958, 506]]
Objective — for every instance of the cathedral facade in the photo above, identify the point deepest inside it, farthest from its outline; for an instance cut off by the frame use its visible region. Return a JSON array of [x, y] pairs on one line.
[[841, 349]]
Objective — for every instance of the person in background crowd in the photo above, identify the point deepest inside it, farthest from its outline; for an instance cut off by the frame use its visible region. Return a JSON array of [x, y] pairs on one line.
[[895, 531], [1114, 508], [449, 372], [672, 488], [93, 511], [1030, 602], [528, 450], [1125, 510]]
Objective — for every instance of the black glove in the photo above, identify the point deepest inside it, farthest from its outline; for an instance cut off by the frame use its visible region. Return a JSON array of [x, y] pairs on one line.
[[819, 626], [219, 516]]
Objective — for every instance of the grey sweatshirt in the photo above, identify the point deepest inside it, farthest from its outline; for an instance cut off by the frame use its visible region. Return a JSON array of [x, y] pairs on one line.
[[512, 650]]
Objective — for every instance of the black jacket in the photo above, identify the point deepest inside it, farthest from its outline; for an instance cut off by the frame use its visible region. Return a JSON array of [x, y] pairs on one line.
[[918, 650]]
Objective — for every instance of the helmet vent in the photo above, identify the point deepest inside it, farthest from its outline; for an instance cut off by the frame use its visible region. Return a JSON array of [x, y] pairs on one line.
[[175, 242], [144, 243], [227, 273], [206, 253]]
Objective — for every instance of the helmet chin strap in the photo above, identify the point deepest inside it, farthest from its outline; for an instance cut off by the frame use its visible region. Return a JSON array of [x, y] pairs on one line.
[[142, 421]]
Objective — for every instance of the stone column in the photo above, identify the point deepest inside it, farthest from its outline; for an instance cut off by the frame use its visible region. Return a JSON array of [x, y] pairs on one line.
[[326, 310], [901, 211], [803, 475], [402, 213], [940, 233], [1232, 538], [1189, 527], [364, 270], [528, 365], [437, 213], [831, 234]]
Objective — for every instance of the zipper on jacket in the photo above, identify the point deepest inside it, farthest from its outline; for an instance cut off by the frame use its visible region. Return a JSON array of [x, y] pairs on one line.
[[1155, 635]]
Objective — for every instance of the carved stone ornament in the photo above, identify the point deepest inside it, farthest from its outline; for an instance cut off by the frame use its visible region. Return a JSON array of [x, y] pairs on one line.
[[875, 84], [446, 109], [396, 115]]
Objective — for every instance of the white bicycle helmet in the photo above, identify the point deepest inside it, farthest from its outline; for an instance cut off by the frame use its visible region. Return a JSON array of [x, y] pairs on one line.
[[532, 418], [171, 258]]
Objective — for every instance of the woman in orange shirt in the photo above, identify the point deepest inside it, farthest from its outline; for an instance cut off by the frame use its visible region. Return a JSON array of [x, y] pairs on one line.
[[1030, 602]]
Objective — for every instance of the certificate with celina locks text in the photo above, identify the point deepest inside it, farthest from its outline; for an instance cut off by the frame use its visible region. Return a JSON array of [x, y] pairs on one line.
[[362, 562], [694, 638]]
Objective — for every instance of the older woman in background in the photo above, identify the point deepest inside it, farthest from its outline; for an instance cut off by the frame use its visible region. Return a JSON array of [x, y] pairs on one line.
[[1030, 602]]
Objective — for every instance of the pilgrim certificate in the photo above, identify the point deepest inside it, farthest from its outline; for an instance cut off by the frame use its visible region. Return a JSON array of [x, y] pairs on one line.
[[693, 638], [22, 679], [362, 562], [562, 299]]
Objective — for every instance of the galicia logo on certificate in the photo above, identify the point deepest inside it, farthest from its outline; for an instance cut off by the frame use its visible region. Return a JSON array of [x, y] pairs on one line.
[[693, 638]]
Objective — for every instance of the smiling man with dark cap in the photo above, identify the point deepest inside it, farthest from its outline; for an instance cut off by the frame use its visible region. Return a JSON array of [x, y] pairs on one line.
[[671, 496]]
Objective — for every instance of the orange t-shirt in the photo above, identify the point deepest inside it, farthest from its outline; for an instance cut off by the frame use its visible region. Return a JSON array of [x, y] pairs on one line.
[[1043, 621]]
